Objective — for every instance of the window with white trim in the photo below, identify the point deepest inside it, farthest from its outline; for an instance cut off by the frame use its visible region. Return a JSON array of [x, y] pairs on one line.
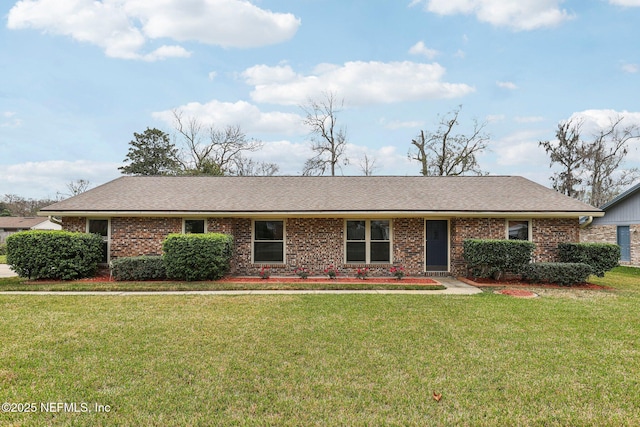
[[101, 227], [368, 241], [268, 241], [194, 226], [519, 229]]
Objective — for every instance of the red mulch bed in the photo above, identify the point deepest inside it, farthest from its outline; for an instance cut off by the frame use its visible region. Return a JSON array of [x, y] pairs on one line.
[[518, 293], [385, 280], [518, 283], [245, 279]]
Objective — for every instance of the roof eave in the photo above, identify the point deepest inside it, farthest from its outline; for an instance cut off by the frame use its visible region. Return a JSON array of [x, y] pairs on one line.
[[327, 214]]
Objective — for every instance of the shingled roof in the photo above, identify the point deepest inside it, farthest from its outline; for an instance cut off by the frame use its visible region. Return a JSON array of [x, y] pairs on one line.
[[307, 196], [20, 222]]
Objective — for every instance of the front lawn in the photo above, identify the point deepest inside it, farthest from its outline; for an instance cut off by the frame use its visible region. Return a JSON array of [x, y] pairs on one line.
[[325, 359]]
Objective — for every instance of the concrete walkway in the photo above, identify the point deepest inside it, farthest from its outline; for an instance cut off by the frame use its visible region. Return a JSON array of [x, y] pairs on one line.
[[5, 271], [454, 287]]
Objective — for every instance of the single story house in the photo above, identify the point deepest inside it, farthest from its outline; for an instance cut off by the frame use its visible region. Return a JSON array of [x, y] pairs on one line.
[[621, 225], [285, 222], [13, 224]]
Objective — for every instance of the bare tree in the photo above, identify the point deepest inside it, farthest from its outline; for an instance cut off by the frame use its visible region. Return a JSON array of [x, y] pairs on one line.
[[210, 151], [245, 166], [593, 167], [569, 151], [328, 141], [367, 165], [14, 205], [603, 158], [78, 186], [443, 153]]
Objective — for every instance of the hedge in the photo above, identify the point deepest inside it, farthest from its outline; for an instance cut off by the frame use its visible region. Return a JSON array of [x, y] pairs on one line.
[[40, 254], [138, 268], [561, 273], [493, 258], [601, 257], [197, 256]]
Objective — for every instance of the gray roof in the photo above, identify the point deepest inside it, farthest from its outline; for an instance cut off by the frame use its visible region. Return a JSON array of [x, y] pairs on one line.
[[298, 195], [21, 222], [621, 197]]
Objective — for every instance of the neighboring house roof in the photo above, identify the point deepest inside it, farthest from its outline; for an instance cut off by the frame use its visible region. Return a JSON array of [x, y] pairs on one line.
[[621, 197], [20, 222], [320, 196], [622, 210]]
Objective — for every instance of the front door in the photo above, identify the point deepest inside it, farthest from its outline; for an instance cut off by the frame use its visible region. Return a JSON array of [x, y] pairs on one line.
[[624, 241], [437, 245]]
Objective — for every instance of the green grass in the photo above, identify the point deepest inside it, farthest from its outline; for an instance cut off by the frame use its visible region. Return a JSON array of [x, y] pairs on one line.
[[327, 359], [3, 259], [21, 284]]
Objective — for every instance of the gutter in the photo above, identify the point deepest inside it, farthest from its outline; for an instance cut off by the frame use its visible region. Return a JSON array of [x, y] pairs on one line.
[[55, 220], [587, 222]]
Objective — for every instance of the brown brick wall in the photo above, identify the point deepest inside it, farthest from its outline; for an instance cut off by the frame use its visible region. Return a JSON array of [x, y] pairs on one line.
[[462, 229], [547, 233], [141, 236], [315, 243], [609, 234], [408, 245], [76, 225]]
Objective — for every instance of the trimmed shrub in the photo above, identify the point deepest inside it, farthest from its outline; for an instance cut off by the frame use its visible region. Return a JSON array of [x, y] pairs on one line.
[[40, 254], [493, 258], [601, 257], [197, 256], [138, 268], [561, 273]]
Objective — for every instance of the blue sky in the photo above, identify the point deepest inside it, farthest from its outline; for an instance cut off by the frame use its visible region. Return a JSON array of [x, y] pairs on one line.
[[80, 76]]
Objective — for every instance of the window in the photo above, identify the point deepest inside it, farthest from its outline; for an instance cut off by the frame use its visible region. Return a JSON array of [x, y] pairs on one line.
[[101, 227], [268, 241], [368, 241], [518, 230], [194, 226]]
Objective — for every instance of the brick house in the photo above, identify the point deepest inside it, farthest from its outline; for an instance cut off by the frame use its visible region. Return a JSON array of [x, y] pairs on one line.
[[14, 224], [621, 226], [286, 222]]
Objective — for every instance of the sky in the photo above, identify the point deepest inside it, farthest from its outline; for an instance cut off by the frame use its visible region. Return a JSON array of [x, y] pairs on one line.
[[79, 77]]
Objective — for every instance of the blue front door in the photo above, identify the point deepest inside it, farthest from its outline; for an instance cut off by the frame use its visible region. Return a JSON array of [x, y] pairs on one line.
[[437, 245], [624, 241]]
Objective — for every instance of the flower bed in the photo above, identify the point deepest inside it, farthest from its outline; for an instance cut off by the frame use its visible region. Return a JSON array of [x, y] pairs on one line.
[[337, 280], [520, 284]]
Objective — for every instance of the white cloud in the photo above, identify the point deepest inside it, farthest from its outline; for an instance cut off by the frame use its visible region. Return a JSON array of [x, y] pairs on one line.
[[400, 124], [359, 83], [507, 85], [630, 68], [420, 49], [517, 15], [529, 119], [249, 117], [628, 3], [289, 156], [164, 52], [8, 119], [493, 118], [45, 179], [593, 121], [123, 27], [519, 149]]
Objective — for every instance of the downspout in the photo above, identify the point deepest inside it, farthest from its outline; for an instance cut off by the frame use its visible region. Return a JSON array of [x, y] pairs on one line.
[[587, 222], [55, 220]]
